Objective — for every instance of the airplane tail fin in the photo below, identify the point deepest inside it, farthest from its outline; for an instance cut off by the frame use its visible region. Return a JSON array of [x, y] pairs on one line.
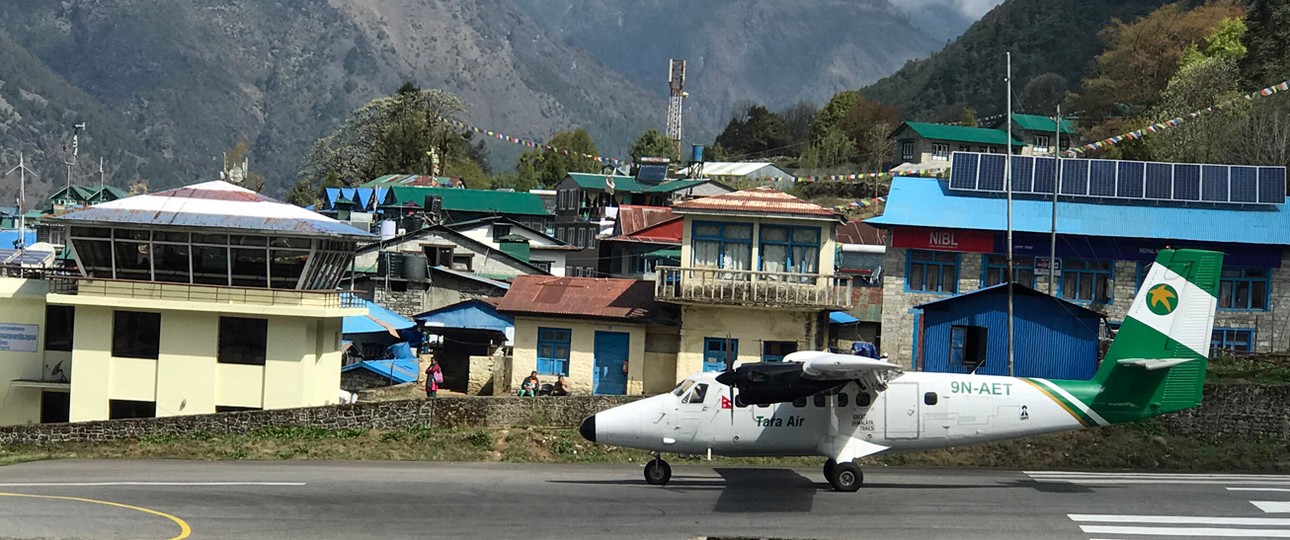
[[1156, 364]]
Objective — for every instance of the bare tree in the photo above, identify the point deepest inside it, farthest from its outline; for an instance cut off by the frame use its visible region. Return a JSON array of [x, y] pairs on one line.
[[1265, 135]]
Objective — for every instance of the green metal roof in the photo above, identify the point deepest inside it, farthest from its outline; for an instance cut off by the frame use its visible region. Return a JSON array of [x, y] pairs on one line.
[[1043, 124], [470, 200], [675, 185], [669, 253], [625, 184], [966, 134]]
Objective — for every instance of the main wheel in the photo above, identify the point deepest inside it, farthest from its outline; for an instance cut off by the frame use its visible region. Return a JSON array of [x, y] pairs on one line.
[[846, 476], [657, 472], [828, 467]]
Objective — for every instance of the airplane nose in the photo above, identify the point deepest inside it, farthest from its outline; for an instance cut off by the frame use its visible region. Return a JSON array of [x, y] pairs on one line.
[[588, 428]]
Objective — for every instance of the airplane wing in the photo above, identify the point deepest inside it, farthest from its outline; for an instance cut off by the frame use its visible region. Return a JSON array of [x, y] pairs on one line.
[[827, 366]]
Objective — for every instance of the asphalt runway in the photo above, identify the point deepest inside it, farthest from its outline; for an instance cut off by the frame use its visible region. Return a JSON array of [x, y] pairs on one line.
[[301, 499]]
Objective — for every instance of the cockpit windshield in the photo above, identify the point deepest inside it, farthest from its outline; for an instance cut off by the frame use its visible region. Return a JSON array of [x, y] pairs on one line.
[[697, 394], [682, 387]]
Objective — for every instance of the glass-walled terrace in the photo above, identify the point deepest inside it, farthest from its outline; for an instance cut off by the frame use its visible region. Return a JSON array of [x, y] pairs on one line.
[[205, 258]]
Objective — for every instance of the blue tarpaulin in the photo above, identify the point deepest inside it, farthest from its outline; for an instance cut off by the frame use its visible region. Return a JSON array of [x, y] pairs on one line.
[[378, 319]]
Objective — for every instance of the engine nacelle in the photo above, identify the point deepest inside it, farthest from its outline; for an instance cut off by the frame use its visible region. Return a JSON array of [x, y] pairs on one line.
[[765, 383]]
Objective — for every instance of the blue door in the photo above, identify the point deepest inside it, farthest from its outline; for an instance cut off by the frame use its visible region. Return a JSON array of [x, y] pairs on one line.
[[610, 374], [715, 352]]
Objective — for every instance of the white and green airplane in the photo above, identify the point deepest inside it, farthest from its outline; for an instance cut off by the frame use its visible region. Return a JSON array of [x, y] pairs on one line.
[[845, 407]]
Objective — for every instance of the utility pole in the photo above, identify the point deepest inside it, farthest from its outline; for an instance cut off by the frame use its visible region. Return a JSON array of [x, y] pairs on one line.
[[1007, 187], [1057, 186], [22, 199], [76, 133]]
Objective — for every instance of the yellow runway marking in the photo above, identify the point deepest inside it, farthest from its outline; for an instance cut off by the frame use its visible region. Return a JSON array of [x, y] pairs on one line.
[[184, 529]]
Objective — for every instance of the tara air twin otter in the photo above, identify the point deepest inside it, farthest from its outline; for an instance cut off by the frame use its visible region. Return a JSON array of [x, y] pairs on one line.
[[845, 407]]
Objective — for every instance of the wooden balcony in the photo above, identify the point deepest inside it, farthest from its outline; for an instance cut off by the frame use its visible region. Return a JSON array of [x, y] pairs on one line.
[[785, 290]]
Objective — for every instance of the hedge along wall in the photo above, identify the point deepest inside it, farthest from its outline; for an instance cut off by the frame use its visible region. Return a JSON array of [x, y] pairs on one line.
[[1233, 411]]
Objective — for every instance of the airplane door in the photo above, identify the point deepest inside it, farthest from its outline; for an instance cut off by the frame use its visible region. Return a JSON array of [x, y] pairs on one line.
[[901, 405], [690, 411]]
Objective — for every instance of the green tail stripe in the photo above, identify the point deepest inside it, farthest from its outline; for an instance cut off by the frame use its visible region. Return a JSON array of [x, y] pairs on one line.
[[1074, 409]]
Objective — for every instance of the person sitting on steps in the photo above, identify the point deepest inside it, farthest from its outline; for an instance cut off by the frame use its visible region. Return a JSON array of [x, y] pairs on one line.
[[530, 385]]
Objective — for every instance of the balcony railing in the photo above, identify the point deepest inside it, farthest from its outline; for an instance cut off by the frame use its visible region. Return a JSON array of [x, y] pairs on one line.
[[211, 294], [751, 288]]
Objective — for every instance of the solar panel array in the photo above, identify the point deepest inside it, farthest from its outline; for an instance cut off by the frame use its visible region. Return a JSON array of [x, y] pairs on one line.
[[25, 257], [1113, 179], [652, 173]]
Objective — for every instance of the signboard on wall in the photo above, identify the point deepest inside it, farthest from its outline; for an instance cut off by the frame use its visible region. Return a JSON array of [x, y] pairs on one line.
[[1042, 265], [943, 239], [19, 337]]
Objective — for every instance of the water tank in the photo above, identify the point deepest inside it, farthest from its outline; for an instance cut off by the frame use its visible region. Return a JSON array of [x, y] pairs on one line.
[[388, 229], [389, 264], [414, 267], [696, 153]]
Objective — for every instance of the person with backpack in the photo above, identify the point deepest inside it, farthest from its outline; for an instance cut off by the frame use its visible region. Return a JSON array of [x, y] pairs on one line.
[[434, 378]]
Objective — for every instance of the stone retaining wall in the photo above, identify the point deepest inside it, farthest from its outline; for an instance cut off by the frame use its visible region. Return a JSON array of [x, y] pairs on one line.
[[1229, 411]]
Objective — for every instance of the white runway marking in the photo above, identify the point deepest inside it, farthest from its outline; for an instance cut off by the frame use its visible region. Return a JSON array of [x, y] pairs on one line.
[[1180, 520], [1283, 490], [1187, 531], [200, 484], [1273, 507], [1098, 478]]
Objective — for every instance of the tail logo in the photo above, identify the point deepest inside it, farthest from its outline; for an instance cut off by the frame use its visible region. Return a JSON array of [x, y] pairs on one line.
[[1162, 299]]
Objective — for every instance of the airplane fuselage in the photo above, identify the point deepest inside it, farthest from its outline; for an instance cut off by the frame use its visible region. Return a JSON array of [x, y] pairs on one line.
[[916, 411]]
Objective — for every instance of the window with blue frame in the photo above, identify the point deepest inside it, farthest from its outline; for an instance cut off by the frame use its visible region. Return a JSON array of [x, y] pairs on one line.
[[553, 351], [1231, 340], [994, 267], [790, 249], [1144, 268], [967, 347], [932, 271], [1085, 280], [1244, 289], [714, 352], [722, 245]]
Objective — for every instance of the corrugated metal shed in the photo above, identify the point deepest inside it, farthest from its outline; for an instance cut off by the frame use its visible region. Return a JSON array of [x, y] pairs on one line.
[[632, 218], [927, 202], [756, 169], [469, 200], [758, 201], [475, 314], [378, 320], [211, 205], [626, 300], [1052, 338]]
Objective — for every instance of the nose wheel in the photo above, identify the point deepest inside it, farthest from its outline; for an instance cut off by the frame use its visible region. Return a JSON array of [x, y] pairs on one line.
[[657, 472], [845, 476]]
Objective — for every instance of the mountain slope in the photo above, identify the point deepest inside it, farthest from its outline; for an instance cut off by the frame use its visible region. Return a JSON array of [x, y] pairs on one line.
[[1059, 36], [766, 51], [189, 77]]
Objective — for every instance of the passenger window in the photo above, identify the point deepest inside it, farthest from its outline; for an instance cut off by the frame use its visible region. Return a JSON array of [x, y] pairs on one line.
[[929, 398], [863, 399], [799, 402], [842, 399], [820, 400]]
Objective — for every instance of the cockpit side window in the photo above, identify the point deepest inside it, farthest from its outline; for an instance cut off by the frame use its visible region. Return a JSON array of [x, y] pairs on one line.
[[697, 394], [682, 387]]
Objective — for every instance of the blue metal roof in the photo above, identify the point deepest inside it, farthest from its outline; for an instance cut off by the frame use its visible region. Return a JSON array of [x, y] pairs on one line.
[[7, 238], [841, 317], [470, 314], [927, 202], [378, 319]]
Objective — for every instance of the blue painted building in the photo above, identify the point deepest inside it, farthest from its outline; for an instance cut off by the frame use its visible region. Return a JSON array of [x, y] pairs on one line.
[[968, 333], [946, 241], [470, 328]]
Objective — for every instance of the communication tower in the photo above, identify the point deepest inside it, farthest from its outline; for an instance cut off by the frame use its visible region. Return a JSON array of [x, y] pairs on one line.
[[677, 94]]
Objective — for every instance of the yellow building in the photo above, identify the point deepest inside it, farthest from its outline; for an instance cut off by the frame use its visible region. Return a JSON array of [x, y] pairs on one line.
[[605, 335], [756, 279], [196, 300]]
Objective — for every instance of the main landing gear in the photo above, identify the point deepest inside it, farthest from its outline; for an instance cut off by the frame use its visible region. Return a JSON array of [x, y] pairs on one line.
[[845, 476], [657, 472]]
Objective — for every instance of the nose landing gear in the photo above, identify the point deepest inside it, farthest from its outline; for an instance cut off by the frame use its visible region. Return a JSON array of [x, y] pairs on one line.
[[657, 472]]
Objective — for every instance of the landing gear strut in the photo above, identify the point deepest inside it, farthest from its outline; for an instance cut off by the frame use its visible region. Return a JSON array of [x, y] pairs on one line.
[[657, 472], [845, 476]]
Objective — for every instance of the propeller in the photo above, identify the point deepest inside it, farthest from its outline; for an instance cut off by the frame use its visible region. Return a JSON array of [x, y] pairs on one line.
[[730, 368]]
